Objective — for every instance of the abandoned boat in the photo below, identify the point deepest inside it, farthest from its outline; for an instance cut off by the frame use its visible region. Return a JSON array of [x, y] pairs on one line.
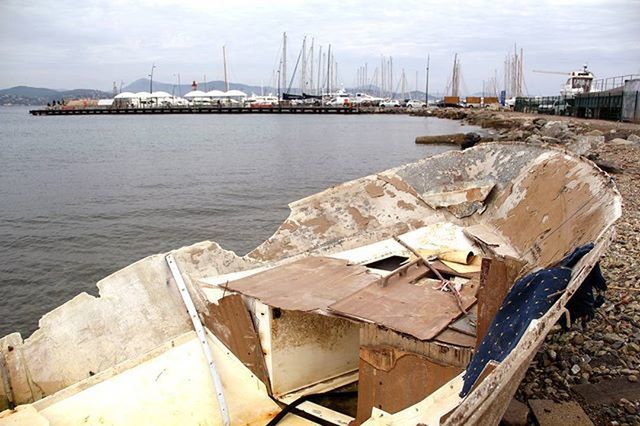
[[417, 295]]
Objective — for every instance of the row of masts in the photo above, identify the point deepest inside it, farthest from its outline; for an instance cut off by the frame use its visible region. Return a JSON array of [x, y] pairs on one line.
[[311, 81], [324, 79], [513, 84]]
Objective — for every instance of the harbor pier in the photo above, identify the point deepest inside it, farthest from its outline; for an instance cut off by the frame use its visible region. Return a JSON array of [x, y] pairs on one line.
[[201, 110]]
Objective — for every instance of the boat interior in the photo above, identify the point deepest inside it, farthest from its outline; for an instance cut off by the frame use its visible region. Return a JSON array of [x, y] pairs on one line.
[[365, 306]]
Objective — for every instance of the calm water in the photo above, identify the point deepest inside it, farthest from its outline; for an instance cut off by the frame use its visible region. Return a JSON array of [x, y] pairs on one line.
[[81, 197]]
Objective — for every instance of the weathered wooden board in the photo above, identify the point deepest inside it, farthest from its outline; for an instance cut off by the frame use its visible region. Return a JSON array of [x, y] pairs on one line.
[[231, 322], [311, 283], [608, 391], [496, 279], [420, 311], [550, 413], [392, 379]]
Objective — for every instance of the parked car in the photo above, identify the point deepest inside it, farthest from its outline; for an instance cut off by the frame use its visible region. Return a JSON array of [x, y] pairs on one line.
[[390, 103], [547, 108], [412, 103]]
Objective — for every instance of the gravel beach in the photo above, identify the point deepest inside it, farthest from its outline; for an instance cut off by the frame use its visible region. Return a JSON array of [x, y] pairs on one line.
[[607, 348]]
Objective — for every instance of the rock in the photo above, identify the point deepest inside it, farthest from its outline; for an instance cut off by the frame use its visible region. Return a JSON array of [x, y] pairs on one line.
[[470, 139], [554, 129], [575, 369], [550, 140], [612, 338], [587, 143], [456, 138], [633, 138], [539, 122], [608, 167], [578, 339], [594, 133], [632, 378], [620, 141], [533, 139], [517, 414]]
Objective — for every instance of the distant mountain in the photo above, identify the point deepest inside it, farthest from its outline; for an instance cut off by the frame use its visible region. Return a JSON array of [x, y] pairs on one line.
[[25, 95]]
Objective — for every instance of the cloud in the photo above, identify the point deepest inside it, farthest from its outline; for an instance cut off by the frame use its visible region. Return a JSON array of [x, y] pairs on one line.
[[92, 43]]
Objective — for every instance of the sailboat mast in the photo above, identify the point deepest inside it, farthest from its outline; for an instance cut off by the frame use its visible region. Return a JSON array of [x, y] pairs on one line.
[[283, 74], [391, 88], [426, 89], [329, 70], [224, 60], [382, 76], [303, 71], [319, 82], [311, 65]]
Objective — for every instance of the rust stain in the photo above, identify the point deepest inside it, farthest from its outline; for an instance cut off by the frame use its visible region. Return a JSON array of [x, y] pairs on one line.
[[289, 226], [415, 223], [551, 213], [361, 221], [401, 185], [320, 224], [275, 248], [374, 190], [404, 205], [474, 194]]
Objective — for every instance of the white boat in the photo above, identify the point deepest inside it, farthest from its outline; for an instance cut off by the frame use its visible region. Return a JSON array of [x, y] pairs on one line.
[[344, 300], [578, 82]]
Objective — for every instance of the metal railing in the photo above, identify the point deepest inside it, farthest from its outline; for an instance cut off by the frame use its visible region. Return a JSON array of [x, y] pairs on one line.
[[609, 83]]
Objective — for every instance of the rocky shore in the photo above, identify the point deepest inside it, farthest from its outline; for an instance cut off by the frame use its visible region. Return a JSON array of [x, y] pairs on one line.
[[603, 354]]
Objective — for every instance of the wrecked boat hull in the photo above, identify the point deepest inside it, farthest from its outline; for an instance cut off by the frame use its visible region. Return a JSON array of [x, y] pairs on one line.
[[522, 203]]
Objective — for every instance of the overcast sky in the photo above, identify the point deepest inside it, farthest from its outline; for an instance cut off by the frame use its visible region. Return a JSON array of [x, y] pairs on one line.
[[90, 44]]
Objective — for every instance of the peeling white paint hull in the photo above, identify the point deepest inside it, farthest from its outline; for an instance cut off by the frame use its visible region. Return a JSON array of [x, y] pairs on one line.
[[130, 356]]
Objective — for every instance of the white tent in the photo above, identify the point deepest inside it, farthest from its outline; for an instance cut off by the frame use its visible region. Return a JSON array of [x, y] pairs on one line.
[[160, 94], [142, 95], [125, 95], [215, 94], [235, 94], [196, 94]]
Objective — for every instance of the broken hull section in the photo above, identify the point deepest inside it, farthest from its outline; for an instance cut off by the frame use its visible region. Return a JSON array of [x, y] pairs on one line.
[[316, 308]]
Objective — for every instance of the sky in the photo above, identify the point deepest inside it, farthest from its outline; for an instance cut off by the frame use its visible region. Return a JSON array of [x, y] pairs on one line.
[[90, 44]]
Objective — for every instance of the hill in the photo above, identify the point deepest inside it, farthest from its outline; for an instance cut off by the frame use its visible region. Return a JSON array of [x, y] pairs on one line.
[[25, 95]]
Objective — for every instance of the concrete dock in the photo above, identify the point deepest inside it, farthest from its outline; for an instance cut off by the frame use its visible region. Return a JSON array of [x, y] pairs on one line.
[[202, 110]]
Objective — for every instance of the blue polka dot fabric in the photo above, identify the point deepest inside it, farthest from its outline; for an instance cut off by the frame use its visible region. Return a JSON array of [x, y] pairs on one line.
[[529, 299]]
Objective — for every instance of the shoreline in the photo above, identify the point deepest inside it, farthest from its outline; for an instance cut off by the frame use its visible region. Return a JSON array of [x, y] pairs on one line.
[[606, 350]]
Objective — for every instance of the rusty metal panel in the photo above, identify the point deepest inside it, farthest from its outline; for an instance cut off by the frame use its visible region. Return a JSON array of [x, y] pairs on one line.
[[392, 379], [453, 337], [439, 352], [230, 321], [420, 311], [311, 283]]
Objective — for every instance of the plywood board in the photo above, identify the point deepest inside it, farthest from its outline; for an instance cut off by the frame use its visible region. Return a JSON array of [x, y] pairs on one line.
[[419, 311], [311, 283], [496, 279], [608, 391], [550, 413], [230, 321], [392, 379]]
